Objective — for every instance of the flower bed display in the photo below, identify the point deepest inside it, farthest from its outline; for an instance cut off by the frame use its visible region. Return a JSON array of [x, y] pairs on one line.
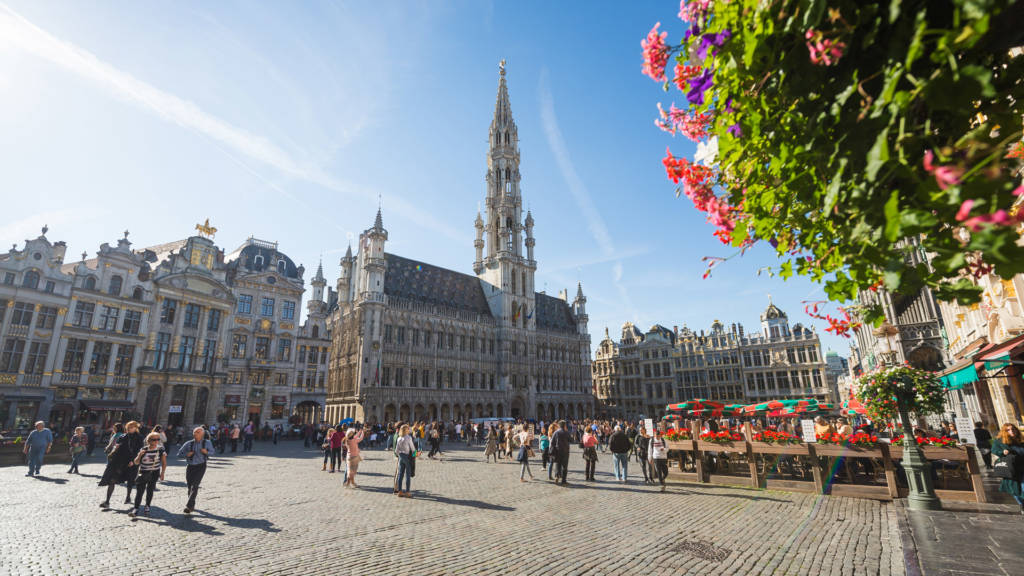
[[772, 437], [724, 437], [678, 435], [939, 441], [857, 439]]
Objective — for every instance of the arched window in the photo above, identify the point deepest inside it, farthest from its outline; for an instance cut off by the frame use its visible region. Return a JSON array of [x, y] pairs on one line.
[[316, 331], [281, 267], [257, 262], [31, 279], [137, 293], [115, 285], [90, 283]]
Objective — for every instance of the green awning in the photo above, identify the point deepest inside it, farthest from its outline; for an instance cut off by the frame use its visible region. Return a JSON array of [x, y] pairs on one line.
[[997, 363], [959, 378]]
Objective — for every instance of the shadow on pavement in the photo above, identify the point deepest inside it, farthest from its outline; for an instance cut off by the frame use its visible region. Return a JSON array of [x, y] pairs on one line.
[[264, 525], [48, 479]]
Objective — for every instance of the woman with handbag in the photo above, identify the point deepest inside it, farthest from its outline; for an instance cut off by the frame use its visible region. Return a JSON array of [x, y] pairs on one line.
[[121, 466], [590, 442], [77, 445], [1008, 446], [525, 438], [491, 448]]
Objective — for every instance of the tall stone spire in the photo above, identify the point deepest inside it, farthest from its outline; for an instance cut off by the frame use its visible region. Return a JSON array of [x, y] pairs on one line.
[[504, 202]]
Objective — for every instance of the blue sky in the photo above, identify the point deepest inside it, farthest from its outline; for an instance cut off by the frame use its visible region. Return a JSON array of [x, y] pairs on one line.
[[286, 121]]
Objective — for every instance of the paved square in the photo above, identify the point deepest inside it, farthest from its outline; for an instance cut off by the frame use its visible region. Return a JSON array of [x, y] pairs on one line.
[[274, 512]]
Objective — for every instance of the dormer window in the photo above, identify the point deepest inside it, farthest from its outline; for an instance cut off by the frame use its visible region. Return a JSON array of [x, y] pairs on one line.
[[137, 293], [281, 267], [90, 283], [31, 280], [257, 262], [115, 285]]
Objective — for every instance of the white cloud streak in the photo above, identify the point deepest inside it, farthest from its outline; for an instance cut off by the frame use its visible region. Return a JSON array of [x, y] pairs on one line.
[[595, 223], [21, 33]]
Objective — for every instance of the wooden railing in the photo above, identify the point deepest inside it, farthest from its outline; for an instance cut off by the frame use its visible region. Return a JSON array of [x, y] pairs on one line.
[[818, 468]]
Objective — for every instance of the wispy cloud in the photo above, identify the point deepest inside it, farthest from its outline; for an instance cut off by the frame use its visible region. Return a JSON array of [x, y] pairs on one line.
[[595, 223], [240, 144]]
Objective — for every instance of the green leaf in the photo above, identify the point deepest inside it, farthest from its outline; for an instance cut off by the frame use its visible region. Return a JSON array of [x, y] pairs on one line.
[[878, 155], [892, 217]]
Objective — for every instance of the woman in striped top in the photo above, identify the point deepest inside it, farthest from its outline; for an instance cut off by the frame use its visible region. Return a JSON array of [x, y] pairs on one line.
[[152, 462]]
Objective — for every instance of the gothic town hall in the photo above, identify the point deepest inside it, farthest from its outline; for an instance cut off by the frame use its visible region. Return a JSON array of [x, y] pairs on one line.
[[415, 341]]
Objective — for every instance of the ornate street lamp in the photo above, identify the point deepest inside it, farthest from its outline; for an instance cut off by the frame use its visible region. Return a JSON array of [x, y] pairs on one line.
[[921, 495]]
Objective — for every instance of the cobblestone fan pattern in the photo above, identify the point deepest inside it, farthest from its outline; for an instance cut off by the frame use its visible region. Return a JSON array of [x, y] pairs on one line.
[[274, 512]]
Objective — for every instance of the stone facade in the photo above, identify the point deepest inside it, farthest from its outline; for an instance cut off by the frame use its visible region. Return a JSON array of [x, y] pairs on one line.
[[416, 341], [643, 372], [149, 334]]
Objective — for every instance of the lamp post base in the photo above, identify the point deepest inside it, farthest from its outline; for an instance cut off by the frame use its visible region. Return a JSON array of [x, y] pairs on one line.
[[921, 494]]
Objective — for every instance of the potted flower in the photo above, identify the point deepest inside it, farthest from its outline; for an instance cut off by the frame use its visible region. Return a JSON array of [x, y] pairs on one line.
[[723, 437], [895, 392], [862, 439], [772, 437]]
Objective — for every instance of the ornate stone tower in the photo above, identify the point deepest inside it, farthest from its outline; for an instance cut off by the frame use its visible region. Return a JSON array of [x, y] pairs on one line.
[[506, 272]]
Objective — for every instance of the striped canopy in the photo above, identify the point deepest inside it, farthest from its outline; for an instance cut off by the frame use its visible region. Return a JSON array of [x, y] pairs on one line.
[[695, 404], [853, 406], [771, 405]]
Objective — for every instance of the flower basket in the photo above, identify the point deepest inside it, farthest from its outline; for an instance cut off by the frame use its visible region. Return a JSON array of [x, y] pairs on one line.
[[772, 437], [678, 435], [721, 437]]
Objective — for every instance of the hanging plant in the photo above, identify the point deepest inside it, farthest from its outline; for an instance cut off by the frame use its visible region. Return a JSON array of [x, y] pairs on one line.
[[884, 392]]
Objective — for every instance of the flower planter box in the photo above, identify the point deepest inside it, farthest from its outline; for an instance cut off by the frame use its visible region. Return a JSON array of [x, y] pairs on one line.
[[787, 449], [11, 455], [684, 445], [848, 451], [932, 453], [705, 446]]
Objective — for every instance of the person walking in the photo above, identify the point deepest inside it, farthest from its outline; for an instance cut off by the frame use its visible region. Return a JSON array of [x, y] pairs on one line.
[[405, 448], [196, 453], [544, 444], [152, 462], [560, 447], [620, 445], [249, 433], [236, 432], [115, 434], [1008, 446], [491, 448], [277, 433], [590, 442], [658, 455], [984, 441], [120, 463], [334, 438], [525, 438], [37, 445], [435, 440], [90, 439], [641, 445], [77, 445], [353, 457]]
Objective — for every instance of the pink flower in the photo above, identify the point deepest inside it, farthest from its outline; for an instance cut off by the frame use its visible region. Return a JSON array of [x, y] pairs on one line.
[[693, 126], [965, 210], [1018, 191], [945, 176], [655, 53], [823, 51], [694, 9]]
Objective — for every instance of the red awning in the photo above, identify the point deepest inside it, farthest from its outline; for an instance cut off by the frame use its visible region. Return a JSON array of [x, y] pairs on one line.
[[1011, 346]]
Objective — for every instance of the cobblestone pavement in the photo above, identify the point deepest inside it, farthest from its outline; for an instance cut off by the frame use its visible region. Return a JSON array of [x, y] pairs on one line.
[[274, 512]]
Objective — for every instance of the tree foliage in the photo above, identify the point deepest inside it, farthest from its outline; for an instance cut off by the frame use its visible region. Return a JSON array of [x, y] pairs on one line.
[[843, 127]]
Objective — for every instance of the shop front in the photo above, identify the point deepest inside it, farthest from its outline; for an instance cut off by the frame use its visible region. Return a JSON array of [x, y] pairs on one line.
[[19, 412], [232, 407], [103, 412], [278, 407], [1001, 365]]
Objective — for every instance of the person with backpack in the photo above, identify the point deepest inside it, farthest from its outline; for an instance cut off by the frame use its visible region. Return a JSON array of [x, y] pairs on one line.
[[435, 440], [196, 453]]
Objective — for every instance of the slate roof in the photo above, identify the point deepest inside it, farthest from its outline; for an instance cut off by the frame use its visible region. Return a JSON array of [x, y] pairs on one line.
[[415, 280], [553, 314]]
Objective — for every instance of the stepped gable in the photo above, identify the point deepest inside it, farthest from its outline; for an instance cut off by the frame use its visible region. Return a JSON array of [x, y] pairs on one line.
[[423, 282], [554, 314]]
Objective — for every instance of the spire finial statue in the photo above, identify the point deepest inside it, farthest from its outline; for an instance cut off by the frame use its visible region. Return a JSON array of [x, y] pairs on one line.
[[501, 67]]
